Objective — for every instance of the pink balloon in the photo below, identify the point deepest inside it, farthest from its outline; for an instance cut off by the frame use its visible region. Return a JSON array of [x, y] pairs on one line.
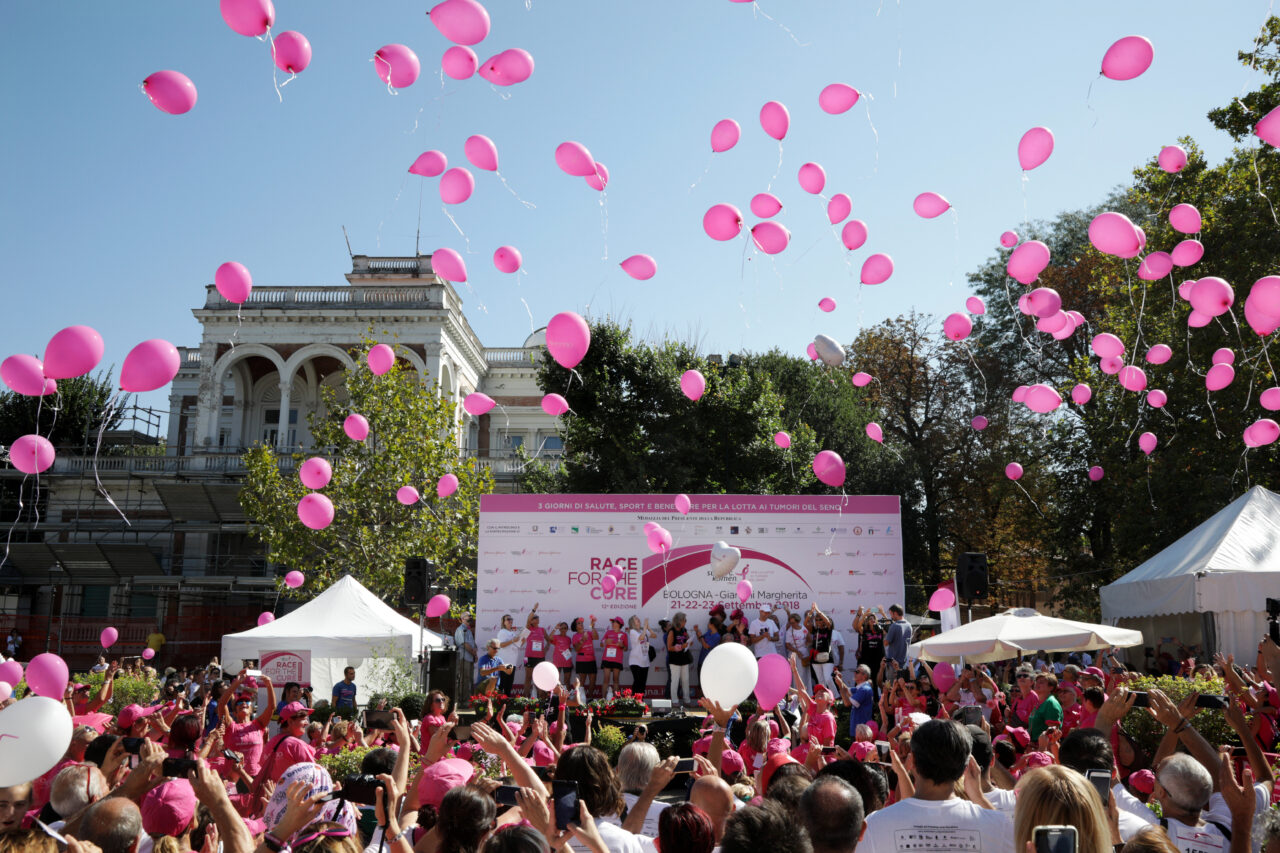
[[1156, 398], [1054, 323], [775, 119], [770, 237], [1027, 261], [1268, 128], [1009, 239], [356, 427], [380, 358], [979, 422], [291, 52], [1132, 378], [1224, 355], [512, 66], [930, 205], [1172, 158], [456, 185], [975, 305], [1043, 399], [837, 98], [449, 265], [234, 282], [683, 504], [1111, 365], [1187, 253], [294, 579], [1096, 473], [1147, 442], [607, 584], [408, 495], [826, 304], [170, 91], [854, 234], [430, 163], [31, 454], [438, 605], [1264, 431], [1210, 295], [446, 485], [1270, 399], [461, 21], [573, 158], [744, 591], [24, 374], [812, 178], [725, 135], [555, 405], [693, 384], [1107, 345], [108, 638], [1013, 471], [478, 404], [150, 365], [1262, 305], [1219, 377], [829, 468], [765, 205], [874, 432], [11, 672], [839, 208], [1076, 317], [248, 17], [72, 352], [507, 259], [148, 654], [1155, 266], [397, 65], [1019, 394], [1127, 58], [481, 152], [773, 679], [315, 473], [942, 598], [722, 222], [1197, 319], [1081, 394], [876, 269], [957, 327], [315, 511], [47, 676], [782, 440], [861, 379], [812, 352], [600, 179], [1034, 147], [1185, 218], [640, 267], [1044, 301], [568, 338], [659, 540], [1114, 234]]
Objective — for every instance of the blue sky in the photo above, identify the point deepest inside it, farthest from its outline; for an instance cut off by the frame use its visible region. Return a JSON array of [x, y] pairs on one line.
[[116, 215]]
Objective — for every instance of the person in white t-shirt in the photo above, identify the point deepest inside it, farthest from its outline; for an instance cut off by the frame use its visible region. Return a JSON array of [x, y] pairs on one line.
[[796, 640], [934, 817], [764, 632]]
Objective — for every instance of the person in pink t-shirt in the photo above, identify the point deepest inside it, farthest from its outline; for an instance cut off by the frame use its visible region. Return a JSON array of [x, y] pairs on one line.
[[289, 747], [584, 643], [562, 651], [820, 722], [435, 713], [535, 649], [615, 644], [246, 733]]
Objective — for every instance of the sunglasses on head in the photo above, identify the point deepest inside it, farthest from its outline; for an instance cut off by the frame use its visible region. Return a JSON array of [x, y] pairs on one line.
[[325, 829]]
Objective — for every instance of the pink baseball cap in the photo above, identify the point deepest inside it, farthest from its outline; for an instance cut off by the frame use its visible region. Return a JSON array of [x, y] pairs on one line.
[[442, 777], [771, 766], [1038, 759], [293, 709], [1095, 672], [168, 808], [1021, 737], [1143, 781], [130, 714], [861, 749], [731, 762]]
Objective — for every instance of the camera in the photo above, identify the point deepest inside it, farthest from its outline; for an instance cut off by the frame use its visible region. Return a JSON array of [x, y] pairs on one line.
[[360, 788]]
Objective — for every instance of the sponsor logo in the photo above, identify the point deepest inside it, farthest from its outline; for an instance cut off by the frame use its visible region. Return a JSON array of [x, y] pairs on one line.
[[534, 528], [857, 572], [543, 571], [573, 529], [779, 530], [733, 530], [546, 591], [548, 553], [748, 529], [519, 553], [879, 572], [553, 529], [490, 571], [853, 553], [884, 554], [888, 531], [489, 591], [826, 573], [611, 529], [857, 531], [871, 531]]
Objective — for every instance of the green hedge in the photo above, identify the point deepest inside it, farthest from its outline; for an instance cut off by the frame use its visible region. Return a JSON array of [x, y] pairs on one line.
[[1211, 723]]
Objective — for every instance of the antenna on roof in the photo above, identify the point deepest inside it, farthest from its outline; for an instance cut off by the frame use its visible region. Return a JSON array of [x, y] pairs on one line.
[[348, 239]]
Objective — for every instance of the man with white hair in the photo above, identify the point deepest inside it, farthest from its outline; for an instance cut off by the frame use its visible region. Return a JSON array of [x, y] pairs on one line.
[[635, 768], [75, 787], [1182, 789]]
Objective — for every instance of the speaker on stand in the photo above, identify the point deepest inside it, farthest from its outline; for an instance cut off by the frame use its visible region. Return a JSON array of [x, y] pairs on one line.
[[971, 578]]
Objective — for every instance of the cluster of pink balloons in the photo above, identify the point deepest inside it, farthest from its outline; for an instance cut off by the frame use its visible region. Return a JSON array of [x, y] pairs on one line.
[[314, 509], [466, 23], [657, 537]]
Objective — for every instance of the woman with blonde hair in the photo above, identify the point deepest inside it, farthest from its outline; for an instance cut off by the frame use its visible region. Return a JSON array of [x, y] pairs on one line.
[[1058, 796]]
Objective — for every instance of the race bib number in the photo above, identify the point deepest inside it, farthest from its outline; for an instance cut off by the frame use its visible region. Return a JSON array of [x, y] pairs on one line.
[[613, 653], [535, 647]]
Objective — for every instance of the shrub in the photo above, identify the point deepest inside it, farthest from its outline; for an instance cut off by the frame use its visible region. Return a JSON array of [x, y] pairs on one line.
[[127, 690], [412, 705], [609, 740], [1211, 723], [342, 764]]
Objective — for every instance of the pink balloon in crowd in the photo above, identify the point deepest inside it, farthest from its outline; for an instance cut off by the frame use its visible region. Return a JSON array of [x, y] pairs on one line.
[[839, 208], [1210, 295], [1172, 158], [1219, 377], [449, 265], [725, 135], [1034, 147], [1132, 378], [294, 579], [722, 222], [1111, 365], [11, 672], [408, 495], [854, 234], [930, 205], [380, 358], [568, 338], [1107, 345], [1044, 301], [1081, 394], [461, 21], [73, 351], [837, 98], [430, 163], [446, 485], [782, 440], [481, 152], [979, 422], [438, 605], [1157, 398], [512, 66], [31, 454], [1187, 253], [108, 637], [812, 178], [1185, 218], [234, 282], [24, 374], [876, 269], [477, 403], [1224, 355], [640, 267], [356, 427], [1009, 239], [170, 91], [744, 591], [773, 679], [315, 473], [148, 654], [826, 304], [829, 468], [1268, 128], [47, 676], [1147, 442], [459, 62], [770, 237], [974, 305], [775, 120], [1043, 399], [397, 65], [1114, 234], [683, 504], [1013, 471], [693, 384], [861, 379], [150, 365], [456, 185], [765, 205], [315, 511], [1096, 473], [291, 52], [507, 259], [573, 158], [248, 17], [1127, 58], [874, 432], [957, 326], [1270, 399], [600, 179], [1263, 431], [1155, 266], [1027, 261], [555, 405]]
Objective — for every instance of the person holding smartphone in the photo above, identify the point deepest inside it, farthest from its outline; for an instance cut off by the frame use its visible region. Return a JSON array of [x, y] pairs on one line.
[[535, 649], [638, 636], [244, 733], [615, 643]]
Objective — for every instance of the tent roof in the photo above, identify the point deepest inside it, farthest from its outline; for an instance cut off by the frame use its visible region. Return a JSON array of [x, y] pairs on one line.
[[1020, 630], [1242, 537]]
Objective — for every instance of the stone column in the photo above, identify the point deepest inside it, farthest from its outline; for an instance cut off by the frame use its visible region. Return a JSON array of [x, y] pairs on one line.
[[282, 431], [208, 398]]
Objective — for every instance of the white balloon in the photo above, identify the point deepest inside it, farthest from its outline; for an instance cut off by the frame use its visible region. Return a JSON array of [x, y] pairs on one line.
[[729, 674], [829, 350], [723, 558], [34, 735], [545, 675]]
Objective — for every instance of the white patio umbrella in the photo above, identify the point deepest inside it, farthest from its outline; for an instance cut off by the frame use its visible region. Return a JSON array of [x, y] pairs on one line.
[[1020, 630]]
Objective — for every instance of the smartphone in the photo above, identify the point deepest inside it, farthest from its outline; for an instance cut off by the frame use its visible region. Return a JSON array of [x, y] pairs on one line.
[[230, 756], [1211, 700], [377, 719], [564, 793], [178, 768], [882, 751], [971, 715], [505, 795], [1239, 752], [1140, 698], [1055, 839], [828, 750], [132, 745], [461, 732], [253, 673], [1101, 781], [686, 765], [1052, 724]]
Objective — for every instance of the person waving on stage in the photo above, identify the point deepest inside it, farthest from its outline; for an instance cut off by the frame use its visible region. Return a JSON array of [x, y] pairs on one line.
[[535, 649], [615, 643], [584, 645]]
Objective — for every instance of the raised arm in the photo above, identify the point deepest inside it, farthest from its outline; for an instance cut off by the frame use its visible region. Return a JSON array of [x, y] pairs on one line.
[[522, 773], [264, 717]]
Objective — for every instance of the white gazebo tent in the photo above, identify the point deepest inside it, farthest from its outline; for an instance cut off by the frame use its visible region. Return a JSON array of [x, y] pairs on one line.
[[1209, 587], [346, 625], [1019, 630]]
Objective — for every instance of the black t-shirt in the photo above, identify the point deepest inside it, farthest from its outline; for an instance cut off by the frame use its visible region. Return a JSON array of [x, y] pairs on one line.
[[873, 644], [679, 658]]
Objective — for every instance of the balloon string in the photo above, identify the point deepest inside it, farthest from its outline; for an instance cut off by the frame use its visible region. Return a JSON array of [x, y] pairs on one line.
[[604, 222], [528, 311], [777, 170], [445, 210], [875, 133], [705, 171], [1088, 98], [974, 362], [1029, 498], [1253, 152], [1026, 217], [530, 205], [1150, 494], [758, 11], [116, 400], [274, 80]]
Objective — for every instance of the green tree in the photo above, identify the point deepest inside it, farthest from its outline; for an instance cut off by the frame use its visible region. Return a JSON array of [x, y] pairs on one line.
[[412, 441]]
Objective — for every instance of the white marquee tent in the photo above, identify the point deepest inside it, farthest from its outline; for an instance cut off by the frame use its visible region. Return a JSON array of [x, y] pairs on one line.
[[346, 625], [1211, 584], [1019, 630]]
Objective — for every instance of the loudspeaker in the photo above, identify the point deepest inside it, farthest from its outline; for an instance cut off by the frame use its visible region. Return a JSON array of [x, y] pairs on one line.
[[416, 582], [971, 576], [442, 671]]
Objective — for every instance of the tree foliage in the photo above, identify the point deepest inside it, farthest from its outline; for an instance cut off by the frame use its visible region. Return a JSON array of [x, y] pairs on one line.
[[70, 418]]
